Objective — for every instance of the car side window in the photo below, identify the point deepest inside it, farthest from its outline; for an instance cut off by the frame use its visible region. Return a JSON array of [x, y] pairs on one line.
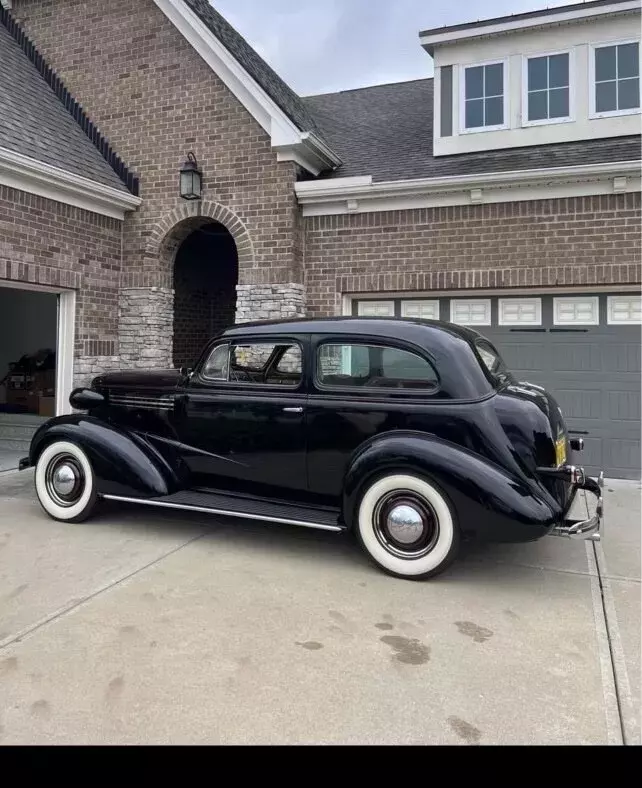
[[271, 363], [374, 366], [217, 365]]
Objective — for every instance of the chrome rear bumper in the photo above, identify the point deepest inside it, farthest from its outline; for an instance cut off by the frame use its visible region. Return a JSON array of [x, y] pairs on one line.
[[589, 528]]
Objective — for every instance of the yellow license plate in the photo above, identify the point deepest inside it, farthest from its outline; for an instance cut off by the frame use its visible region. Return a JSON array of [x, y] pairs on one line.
[[560, 451]]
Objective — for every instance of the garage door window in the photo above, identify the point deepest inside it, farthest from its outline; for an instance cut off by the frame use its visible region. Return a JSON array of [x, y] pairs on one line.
[[520, 311], [426, 310], [624, 310], [576, 311], [470, 312], [376, 309]]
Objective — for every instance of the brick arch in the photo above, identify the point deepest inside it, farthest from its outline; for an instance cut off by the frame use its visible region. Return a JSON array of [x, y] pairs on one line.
[[170, 232]]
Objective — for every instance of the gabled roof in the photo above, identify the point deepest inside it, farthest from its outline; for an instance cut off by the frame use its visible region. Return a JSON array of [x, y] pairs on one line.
[[282, 95], [35, 124], [386, 131]]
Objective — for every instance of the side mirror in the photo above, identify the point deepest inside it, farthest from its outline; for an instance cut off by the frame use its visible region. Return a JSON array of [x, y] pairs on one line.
[[185, 372]]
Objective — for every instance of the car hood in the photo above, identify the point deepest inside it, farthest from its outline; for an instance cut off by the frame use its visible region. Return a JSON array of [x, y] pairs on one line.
[[136, 379]]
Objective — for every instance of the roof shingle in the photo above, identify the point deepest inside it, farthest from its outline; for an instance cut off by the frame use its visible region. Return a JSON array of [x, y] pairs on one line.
[[386, 131], [34, 123]]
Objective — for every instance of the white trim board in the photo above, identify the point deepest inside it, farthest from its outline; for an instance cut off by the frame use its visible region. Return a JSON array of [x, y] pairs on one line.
[[361, 195], [289, 142], [431, 39], [35, 177]]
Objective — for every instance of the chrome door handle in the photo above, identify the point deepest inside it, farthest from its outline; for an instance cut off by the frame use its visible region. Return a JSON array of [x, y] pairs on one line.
[[292, 410]]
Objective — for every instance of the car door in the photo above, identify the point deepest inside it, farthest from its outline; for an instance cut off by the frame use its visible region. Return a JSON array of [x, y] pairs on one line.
[[361, 387], [242, 423]]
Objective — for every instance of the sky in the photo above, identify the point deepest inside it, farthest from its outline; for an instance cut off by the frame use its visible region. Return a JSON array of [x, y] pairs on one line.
[[323, 46]]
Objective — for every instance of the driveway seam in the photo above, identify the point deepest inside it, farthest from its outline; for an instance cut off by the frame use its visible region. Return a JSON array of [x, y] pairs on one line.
[[76, 603], [618, 660]]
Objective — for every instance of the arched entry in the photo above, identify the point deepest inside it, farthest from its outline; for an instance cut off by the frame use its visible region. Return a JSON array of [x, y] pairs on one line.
[[205, 279]]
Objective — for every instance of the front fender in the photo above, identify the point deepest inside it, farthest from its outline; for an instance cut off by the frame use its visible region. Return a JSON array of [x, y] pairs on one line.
[[124, 463], [488, 501]]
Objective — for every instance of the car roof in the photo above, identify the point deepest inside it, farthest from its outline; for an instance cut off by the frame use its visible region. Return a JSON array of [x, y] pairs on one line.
[[412, 329]]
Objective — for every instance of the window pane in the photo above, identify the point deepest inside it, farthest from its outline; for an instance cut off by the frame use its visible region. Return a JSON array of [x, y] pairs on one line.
[[628, 60], [373, 367], [216, 366], [474, 113], [558, 71], [537, 73], [290, 360], [628, 93], [494, 80], [605, 97], [475, 82], [605, 63], [558, 103], [537, 105], [494, 112]]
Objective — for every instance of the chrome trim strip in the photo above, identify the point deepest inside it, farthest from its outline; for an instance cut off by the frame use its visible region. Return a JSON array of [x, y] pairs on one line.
[[205, 510]]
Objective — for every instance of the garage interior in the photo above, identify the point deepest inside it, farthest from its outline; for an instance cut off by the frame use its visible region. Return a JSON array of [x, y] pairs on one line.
[[28, 336]]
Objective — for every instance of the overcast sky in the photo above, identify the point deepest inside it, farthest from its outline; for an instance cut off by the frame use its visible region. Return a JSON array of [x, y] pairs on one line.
[[321, 46]]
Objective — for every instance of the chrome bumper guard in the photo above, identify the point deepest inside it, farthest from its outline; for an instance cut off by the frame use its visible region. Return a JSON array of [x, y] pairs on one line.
[[589, 528]]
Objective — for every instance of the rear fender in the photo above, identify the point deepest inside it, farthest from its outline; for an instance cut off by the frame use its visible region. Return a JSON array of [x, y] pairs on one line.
[[488, 501], [124, 463]]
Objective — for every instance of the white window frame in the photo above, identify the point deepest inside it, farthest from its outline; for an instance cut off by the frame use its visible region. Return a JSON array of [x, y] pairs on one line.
[[593, 299], [611, 321], [571, 89], [507, 322], [434, 303], [375, 301], [485, 301], [614, 113], [462, 97]]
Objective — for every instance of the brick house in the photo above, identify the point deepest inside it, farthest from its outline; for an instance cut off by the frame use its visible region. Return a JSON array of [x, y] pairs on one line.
[[504, 193]]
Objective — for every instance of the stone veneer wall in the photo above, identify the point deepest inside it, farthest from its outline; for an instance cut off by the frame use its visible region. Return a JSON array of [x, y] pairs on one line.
[[269, 302]]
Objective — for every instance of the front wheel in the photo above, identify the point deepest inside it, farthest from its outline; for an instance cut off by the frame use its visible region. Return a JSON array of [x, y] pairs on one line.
[[65, 483], [406, 526]]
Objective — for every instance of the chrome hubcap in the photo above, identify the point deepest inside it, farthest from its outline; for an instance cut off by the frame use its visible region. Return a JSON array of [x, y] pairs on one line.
[[65, 480], [405, 524]]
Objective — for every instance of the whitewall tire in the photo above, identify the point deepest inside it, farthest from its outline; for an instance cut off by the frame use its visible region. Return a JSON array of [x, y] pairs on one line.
[[407, 527], [65, 483]]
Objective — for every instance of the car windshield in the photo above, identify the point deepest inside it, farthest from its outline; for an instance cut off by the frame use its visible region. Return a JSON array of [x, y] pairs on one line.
[[492, 361]]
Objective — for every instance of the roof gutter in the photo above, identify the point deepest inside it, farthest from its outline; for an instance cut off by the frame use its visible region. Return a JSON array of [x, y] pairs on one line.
[[35, 177], [451, 34], [360, 194]]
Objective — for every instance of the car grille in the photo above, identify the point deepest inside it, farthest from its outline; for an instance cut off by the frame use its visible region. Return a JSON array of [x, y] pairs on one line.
[[142, 401]]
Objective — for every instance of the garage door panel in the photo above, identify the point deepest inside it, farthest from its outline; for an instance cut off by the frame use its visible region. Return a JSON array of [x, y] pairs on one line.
[[579, 403], [620, 456], [574, 357], [621, 358], [623, 406]]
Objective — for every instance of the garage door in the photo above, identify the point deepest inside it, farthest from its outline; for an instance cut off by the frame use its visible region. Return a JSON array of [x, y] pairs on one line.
[[584, 348]]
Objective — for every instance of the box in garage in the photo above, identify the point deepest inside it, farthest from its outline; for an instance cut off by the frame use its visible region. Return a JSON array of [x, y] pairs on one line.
[[45, 382], [46, 406]]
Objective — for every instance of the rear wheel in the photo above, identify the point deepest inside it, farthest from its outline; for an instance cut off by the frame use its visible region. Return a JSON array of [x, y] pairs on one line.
[[65, 483], [406, 526]]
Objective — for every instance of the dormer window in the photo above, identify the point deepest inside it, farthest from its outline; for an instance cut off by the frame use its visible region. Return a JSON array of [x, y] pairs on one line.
[[547, 89], [483, 97], [615, 83]]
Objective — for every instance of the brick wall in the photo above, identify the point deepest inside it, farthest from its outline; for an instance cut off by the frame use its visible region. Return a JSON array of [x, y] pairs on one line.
[[582, 240], [48, 243]]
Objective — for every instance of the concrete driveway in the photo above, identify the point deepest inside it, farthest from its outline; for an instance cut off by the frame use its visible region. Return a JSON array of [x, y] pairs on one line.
[[140, 627]]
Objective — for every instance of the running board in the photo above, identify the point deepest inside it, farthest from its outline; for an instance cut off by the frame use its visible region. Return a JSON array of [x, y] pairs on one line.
[[246, 508]]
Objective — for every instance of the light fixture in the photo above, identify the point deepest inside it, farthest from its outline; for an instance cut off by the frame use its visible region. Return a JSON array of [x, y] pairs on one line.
[[191, 182]]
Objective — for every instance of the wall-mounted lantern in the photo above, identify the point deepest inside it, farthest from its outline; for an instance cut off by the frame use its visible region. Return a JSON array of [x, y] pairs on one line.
[[191, 179]]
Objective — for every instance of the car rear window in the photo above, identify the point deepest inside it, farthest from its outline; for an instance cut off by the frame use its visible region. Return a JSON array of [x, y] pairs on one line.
[[491, 361], [374, 366]]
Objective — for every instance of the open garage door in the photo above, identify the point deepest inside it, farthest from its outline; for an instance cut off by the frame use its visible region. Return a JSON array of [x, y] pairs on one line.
[[28, 368]]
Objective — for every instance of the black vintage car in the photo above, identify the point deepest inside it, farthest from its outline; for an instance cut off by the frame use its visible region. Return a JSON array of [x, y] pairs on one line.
[[411, 433]]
